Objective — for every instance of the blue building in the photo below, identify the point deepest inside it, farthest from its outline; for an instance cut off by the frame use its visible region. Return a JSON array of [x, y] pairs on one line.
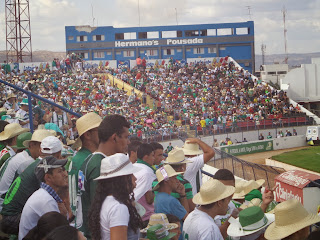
[[161, 42]]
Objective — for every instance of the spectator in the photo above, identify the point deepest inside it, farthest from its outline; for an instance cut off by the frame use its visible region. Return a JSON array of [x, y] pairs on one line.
[[176, 159], [47, 223], [213, 199], [157, 232], [294, 132], [169, 148], [11, 102], [23, 114], [261, 137], [65, 233], [59, 117], [133, 149], [8, 138], [143, 192], [87, 127], [15, 165], [112, 212], [158, 154], [175, 220], [113, 135], [215, 143], [269, 136], [164, 202], [290, 227], [245, 140], [26, 183], [198, 158], [52, 175]]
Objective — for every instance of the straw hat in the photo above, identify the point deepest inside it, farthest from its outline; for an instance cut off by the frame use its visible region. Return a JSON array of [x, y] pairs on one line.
[[38, 136], [290, 217], [21, 138], [11, 95], [86, 123], [212, 191], [254, 202], [239, 192], [159, 232], [116, 165], [176, 157], [11, 130], [164, 173], [250, 220], [191, 149], [159, 218], [252, 184]]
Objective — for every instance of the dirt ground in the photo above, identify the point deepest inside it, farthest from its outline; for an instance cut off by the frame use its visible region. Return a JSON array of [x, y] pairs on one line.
[[260, 157]]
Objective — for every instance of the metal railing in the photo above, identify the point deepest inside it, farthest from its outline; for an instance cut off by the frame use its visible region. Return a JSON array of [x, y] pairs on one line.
[[30, 95], [244, 169]]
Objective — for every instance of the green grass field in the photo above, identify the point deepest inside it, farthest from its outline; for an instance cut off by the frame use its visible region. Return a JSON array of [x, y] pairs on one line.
[[308, 158]]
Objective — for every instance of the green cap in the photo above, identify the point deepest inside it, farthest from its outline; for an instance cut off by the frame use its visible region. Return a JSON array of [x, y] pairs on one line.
[[21, 138], [159, 232], [24, 102]]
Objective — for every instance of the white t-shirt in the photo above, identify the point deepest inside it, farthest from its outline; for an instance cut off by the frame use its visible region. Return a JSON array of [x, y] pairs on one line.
[[38, 204], [144, 180], [113, 214], [200, 226], [15, 167], [192, 170]]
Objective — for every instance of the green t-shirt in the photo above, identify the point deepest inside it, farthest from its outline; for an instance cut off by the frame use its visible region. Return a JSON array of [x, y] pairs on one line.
[[89, 170], [4, 154], [186, 184], [74, 168], [20, 190]]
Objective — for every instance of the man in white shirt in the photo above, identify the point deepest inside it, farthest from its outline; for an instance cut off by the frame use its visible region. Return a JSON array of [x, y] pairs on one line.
[[197, 158], [213, 199], [54, 178]]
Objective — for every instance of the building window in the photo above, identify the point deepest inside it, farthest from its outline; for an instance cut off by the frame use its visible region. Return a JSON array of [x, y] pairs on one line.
[[242, 31], [198, 51], [129, 53], [98, 38], [211, 32], [70, 38], [84, 55], [119, 36], [98, 54], [179, 33], [142, 52], [130, 35], [222, 48], [179, 50], [224, 31], [191, 33], [109, 52], [82, 38], [271, 73], [212, 50], [203, 32], [152, 52], [142, 35], [152, 34], [282, 72], [169, 34], [168, 51]]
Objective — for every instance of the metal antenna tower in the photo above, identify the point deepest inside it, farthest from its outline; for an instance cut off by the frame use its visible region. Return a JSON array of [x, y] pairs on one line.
[[18, 31], [284, 12], [263, 51], [249, 11]]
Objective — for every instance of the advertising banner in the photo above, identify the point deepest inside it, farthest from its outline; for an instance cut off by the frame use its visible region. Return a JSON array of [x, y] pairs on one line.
[[249, 148]]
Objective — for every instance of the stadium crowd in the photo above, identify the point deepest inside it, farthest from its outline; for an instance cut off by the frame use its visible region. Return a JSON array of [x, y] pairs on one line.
[[94, 177]]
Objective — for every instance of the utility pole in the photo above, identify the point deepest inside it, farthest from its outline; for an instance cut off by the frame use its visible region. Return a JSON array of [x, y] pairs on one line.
[[249, 11], [284, 12], [263, 51]]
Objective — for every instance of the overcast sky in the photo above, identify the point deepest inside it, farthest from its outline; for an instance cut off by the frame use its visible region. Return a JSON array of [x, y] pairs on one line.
[[49, 17]]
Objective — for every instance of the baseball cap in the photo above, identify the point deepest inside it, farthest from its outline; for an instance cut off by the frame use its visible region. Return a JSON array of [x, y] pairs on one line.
[[46, 163], [50, 145]]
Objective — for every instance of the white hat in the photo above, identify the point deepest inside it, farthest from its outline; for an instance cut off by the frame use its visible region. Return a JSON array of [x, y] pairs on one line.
[[250, 220], [116, 165], [50, 145]]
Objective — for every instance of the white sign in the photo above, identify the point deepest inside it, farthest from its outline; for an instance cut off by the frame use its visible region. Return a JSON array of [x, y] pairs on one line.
[[156, 42]]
